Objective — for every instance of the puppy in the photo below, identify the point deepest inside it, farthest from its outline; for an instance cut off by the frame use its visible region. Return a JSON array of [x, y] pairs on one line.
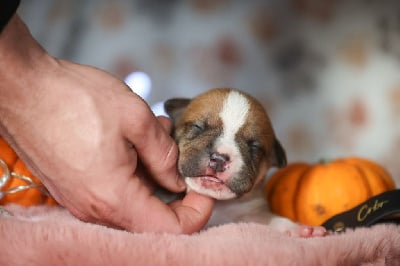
[[226, 146]]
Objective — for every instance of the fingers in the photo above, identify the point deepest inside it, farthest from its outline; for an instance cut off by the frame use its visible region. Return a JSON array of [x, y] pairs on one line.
[[145, 212], [193, 211], [165, 123], [157, 150]]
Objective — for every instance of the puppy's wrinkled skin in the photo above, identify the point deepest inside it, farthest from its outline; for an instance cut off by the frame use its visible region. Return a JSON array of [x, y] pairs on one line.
[[226, 146]]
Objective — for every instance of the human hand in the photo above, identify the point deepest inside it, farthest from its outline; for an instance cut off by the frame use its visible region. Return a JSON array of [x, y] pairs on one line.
[[92, 142]]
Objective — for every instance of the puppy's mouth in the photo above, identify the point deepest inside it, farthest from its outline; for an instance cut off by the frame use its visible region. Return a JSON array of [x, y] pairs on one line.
[[211, 179], [211, 186]]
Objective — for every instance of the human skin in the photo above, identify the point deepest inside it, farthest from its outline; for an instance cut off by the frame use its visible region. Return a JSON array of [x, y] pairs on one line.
[[94, 144]]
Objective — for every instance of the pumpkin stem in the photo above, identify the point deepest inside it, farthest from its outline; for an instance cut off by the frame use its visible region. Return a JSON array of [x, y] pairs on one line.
[[325, 161]]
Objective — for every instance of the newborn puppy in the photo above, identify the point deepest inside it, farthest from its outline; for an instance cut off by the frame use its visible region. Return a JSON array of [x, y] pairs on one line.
[[226, 145]]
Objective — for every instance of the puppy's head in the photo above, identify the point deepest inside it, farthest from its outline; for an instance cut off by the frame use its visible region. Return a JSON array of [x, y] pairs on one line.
[[226, 142]]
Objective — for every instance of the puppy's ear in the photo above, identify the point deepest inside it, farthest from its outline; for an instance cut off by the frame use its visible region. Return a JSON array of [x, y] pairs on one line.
[[175, 107], [278, 156]]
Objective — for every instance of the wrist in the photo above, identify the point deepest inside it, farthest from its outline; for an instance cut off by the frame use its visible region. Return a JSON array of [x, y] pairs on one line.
[[23, 66]]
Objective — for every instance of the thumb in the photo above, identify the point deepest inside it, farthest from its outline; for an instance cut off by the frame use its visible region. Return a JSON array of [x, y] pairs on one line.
[[140, 211], [193, 211], [156, 149]]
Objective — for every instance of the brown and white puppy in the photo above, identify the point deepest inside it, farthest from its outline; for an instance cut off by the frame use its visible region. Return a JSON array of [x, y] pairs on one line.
[[226, 146]]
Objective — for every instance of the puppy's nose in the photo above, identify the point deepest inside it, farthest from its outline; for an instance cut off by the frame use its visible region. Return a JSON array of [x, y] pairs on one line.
[[218, 161]]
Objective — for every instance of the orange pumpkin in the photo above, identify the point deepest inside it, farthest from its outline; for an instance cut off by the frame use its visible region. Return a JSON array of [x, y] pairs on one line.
[[312, 193], [17, 170]]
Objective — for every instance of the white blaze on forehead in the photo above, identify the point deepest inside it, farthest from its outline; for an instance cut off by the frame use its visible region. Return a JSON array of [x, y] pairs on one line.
[[233, 115], [234, 112]]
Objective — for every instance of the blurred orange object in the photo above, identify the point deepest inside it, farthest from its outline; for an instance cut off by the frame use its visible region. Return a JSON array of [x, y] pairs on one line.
[[313, 193], [17, 184]]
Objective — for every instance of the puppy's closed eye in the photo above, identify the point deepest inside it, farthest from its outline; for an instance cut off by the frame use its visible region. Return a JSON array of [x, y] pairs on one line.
[[194, 129], [256, 150], [197, 127], [255, 146]]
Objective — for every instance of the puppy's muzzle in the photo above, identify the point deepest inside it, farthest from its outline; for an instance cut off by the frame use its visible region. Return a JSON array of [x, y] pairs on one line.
[[219, 162]]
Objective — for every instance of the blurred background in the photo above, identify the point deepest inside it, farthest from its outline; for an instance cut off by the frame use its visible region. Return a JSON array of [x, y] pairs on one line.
[[328, 72]]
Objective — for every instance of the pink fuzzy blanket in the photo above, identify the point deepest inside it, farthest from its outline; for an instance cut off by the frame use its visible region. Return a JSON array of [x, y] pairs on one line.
[[51, 236]]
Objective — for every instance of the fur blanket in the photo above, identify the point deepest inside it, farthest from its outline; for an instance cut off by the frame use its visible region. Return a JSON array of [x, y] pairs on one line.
[[51, 236]]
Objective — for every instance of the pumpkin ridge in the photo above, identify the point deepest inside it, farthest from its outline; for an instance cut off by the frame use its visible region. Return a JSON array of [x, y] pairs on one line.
[[274, 180], [280, 189], [366, 180], [319, 189], [384, 176], [296, 192], [306, 177]]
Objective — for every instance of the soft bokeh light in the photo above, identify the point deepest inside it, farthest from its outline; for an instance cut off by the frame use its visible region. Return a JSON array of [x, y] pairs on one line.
[[140, 83]]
